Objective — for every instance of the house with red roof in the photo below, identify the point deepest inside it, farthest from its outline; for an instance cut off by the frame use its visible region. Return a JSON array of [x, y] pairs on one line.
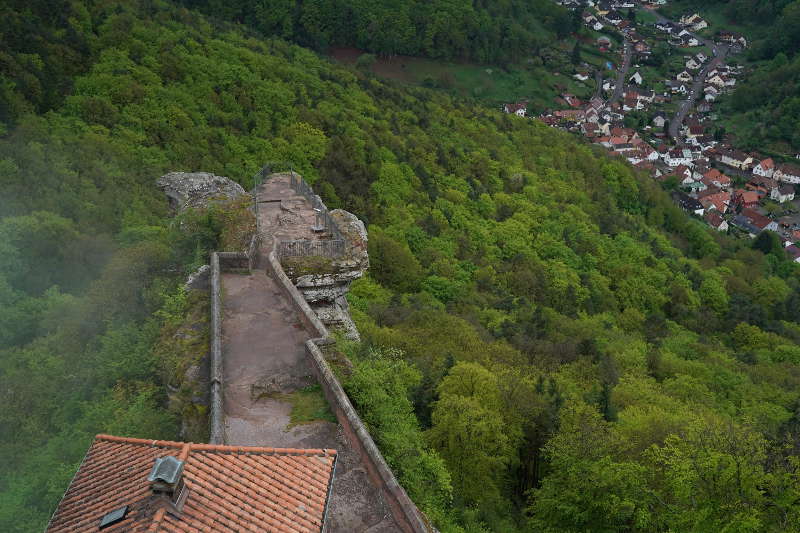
[[570, 114], [572, 100], [684, 172], [520, 109], [716, 221], [760, 221], [718, 201], [126, 484], [717, 178], [745, 199], [762, 185], [765, 168]]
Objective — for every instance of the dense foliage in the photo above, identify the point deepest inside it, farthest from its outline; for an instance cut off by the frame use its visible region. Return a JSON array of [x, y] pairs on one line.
[[549, 344], [764, 110], [480, 30]]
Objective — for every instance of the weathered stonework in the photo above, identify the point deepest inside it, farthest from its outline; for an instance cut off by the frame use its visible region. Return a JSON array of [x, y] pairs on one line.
[[366, 496], [197, 189], [199, 280], [326, 289]]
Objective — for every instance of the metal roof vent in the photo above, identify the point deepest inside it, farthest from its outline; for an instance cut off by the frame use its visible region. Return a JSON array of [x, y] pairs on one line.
[[166, 474], [117, 515]]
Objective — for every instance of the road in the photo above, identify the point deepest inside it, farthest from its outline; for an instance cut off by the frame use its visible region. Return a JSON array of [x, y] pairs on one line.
[[622, 73], [695, 92], [719, 52]]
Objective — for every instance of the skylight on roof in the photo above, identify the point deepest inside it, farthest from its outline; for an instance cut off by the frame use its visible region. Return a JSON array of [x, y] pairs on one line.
[[117, 515]]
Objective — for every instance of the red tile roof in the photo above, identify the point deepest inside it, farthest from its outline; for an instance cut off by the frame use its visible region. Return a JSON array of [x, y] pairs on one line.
[[756, 218], [767, 164], [714, 219], [231, 488]]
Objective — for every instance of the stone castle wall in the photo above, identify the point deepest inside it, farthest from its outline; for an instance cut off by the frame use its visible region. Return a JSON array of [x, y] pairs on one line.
[[317, 298]]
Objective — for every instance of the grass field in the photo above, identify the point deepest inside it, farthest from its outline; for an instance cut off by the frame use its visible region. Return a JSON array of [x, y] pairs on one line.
[[490, 84], [645, 17]]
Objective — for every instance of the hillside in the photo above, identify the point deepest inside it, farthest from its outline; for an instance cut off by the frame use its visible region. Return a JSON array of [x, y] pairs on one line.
[[549, 344]]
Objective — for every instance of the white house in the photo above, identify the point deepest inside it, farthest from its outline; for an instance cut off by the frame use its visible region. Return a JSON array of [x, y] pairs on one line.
[[692, 64], [782, 194], [765, 168], [684, 76], [677, 86], [519, 109], [636, 78], [664, 26], [694, 21], [716, 80], [736, 159], [676, 157], [787, 173]]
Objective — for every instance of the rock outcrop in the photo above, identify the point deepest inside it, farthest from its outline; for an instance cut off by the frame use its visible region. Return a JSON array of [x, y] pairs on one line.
[[197, 189], [199, 280], [326, 290]]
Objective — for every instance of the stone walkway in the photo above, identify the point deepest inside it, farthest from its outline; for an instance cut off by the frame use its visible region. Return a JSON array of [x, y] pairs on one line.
[[264, 359]]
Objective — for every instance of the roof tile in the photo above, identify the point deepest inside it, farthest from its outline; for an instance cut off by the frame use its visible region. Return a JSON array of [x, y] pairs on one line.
[[231, 488]]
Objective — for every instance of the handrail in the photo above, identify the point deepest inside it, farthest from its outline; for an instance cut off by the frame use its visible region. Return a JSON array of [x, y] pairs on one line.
[[332, 248]]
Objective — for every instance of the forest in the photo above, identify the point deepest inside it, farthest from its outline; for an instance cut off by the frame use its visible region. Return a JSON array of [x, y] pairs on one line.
[[549, 344], [478, 30]]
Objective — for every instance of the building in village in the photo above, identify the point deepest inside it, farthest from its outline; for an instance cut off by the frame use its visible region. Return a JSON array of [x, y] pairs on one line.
[[520, 109], [764, 168], [787, 173], [784, 193], [687, 203], [716, 221]]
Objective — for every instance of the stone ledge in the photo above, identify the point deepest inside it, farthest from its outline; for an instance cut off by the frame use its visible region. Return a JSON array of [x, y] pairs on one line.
[[405, 512], [217, 433]]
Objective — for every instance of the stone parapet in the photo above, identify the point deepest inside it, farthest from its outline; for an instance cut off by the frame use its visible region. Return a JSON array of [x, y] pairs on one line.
[[217, 432]]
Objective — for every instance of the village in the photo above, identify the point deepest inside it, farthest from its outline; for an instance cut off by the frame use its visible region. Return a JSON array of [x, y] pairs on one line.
[[656, 109]]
